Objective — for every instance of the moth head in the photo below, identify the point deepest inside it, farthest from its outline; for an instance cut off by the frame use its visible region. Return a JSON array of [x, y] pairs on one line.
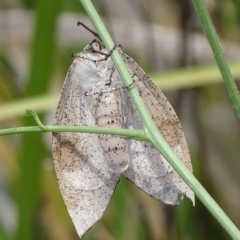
[[94, 52], [96, 47]]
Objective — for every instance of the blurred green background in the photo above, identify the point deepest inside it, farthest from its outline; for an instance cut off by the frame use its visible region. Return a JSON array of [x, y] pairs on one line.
[[166, 39]]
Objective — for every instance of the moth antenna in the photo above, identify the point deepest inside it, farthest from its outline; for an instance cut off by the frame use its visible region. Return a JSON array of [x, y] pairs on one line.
[[90, 30]]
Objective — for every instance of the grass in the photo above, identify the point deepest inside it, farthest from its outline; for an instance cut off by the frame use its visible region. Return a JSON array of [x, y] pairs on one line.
[[41, 213]]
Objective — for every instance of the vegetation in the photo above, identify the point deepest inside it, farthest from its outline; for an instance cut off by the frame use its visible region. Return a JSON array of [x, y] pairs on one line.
[[31, 205]]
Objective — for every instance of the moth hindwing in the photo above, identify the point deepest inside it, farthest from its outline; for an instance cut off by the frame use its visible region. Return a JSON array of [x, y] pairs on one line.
[[88, 166]]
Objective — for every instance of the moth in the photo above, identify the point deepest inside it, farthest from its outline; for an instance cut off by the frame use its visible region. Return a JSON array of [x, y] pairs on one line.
[[88, 166]]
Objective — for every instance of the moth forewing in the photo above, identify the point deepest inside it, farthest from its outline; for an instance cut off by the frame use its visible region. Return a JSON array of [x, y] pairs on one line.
[[158, 179], [88, 165], [83, 175]]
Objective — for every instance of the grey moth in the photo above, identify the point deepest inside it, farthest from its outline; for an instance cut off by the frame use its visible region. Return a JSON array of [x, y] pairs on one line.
[[88, 166]]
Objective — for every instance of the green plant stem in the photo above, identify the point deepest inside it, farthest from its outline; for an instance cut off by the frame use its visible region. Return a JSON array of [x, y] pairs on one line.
[[192, 76], [218, 54], [152, 130], [126, 133], [182, 78]]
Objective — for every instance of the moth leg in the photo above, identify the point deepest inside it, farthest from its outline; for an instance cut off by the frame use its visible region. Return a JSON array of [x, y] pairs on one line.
[[108, 83], [91, 90], [100, 92], [105, 91], [110, 89], [109, 80], [135, 79], [107, 55]]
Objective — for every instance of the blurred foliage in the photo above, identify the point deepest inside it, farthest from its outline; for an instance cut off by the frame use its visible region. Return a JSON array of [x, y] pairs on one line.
[[31, 206], [30, 157], [227, 18]]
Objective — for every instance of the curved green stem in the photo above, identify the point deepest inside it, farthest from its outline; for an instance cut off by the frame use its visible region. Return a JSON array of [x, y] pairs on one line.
[[218, 54], [125, 133], [35, 116]]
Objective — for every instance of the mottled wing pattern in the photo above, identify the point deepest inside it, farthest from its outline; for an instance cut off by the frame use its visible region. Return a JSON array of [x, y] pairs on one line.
[[88, 165], [85, 182], [148, 169]]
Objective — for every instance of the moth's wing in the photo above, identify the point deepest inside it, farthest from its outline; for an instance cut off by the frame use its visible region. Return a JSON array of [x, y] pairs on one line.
[[148, 169], [84, 180]]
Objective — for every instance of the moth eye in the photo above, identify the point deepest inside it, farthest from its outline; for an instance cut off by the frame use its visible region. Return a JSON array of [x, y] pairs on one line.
[[96, 47]]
